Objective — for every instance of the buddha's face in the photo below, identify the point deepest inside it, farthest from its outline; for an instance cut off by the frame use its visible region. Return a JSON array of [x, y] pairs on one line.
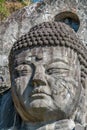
[[47, 82]]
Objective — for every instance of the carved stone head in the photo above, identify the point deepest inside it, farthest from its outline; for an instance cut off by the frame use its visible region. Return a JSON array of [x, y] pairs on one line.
[[48, 69]]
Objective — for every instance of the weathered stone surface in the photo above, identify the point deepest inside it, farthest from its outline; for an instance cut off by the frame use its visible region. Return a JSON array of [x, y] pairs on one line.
[[46, 78], [79, 127], [32, 74], [21, 22]]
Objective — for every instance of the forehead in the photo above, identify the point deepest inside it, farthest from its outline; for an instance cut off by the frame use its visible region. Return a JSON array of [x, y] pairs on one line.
[[48, 54]]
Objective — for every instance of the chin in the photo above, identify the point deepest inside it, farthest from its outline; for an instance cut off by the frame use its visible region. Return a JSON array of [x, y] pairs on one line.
[[38, 103]]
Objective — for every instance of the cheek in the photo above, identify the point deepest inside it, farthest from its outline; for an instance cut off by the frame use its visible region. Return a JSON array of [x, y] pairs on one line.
[[60, 91], [21, 84], [56, 87], [65, 92]]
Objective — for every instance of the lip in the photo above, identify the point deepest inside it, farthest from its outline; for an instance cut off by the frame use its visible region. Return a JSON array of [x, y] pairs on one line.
[[39, 95]]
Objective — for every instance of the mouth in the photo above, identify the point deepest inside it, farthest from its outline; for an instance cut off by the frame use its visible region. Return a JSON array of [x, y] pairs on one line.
[[39, 95]]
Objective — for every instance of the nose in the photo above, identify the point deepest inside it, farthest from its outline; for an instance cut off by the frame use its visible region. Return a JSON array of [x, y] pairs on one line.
[[39, 78]]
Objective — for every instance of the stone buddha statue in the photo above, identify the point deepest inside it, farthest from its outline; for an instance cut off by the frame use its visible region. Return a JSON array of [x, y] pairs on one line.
[[48, 78]]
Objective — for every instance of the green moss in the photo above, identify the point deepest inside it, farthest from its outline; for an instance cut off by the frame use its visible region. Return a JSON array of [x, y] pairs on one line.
[[3, 10], [6, 7], [26, 2]]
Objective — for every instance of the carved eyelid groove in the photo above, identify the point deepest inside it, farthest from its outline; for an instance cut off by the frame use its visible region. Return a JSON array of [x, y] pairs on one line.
[[58, 65]]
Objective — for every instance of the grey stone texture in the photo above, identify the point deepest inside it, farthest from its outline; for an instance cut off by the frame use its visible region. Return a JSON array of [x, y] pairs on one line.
[[21, 21], [47, 79], [79, 127], [46, 96]]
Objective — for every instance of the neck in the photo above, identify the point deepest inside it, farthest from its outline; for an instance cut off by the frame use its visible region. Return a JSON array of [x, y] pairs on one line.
[[38, 125], [62, 124]]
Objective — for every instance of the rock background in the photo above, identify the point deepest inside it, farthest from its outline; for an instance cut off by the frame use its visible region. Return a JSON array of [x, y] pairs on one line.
[[21, 21]]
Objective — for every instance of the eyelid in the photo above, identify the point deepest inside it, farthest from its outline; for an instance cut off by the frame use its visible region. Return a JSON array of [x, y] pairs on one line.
[[56, 66], [22, 67], [58, 71]]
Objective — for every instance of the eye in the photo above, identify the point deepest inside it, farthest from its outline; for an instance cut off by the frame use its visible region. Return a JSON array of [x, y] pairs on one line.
[[57, 71], [22, 70], [52, 71]]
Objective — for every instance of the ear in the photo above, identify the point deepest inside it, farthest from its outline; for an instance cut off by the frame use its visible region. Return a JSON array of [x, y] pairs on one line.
[[85, 84], [84, 95]]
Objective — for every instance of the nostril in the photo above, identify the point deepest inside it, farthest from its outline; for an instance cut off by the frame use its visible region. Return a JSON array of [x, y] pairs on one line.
[[38, 82]]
